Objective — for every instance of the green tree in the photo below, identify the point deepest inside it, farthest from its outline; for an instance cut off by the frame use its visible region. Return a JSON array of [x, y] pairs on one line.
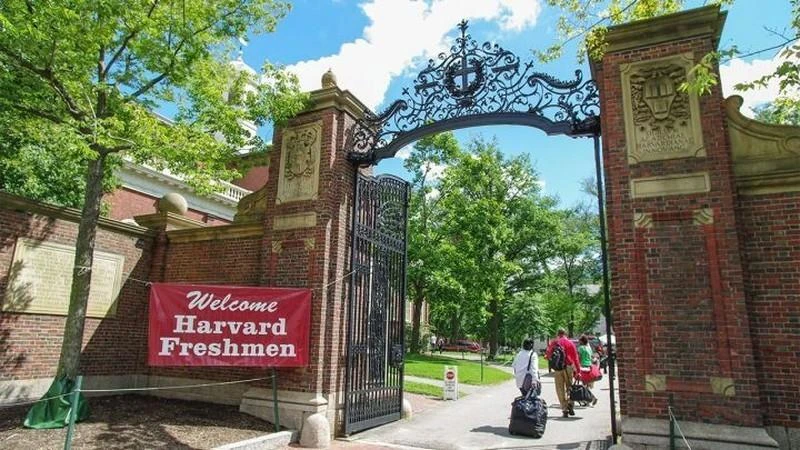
[[426, 273], [575, 262], [494, 216], [782, 111], [90, 71]]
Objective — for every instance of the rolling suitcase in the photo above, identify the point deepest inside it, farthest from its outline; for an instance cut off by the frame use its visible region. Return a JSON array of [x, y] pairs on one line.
[[528, 416]]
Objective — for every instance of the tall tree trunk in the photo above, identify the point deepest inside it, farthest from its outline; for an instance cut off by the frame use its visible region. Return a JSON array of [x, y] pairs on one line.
[[494, 327], [69, 362], [415, 323]]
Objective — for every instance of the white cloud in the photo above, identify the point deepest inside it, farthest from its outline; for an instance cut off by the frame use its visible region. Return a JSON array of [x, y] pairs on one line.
[[403, 33], [740, 71], [542, 184], [404, 152]]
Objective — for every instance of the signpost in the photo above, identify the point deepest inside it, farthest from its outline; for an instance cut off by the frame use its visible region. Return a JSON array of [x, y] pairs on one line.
[[450, 383]]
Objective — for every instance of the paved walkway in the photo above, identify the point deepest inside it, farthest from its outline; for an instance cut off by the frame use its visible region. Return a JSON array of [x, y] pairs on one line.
[[480, 421]]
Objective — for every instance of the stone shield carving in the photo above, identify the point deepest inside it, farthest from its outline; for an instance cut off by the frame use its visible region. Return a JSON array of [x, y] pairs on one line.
[[298, 178], [661, 122]]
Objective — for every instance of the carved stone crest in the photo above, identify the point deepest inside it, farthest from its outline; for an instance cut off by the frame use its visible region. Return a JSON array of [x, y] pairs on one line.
[[298, 178], [661, 122]]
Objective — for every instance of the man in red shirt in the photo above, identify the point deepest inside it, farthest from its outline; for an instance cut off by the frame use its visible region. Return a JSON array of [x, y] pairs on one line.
[[563, 358]]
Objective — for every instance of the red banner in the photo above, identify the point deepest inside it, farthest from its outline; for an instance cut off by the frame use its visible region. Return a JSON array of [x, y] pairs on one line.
[[205, 325]]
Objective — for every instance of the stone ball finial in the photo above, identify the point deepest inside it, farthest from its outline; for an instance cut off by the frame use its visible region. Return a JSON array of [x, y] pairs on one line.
[[173, 203], [328, 79]]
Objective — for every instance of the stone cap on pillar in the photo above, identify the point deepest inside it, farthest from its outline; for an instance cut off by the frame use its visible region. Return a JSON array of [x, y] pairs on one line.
[[331, 96], [170, 216], [704, 21]]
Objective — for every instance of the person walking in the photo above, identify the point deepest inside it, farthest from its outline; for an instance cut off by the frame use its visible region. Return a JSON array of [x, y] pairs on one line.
[[526, 362], [563, 358], [585, 355]]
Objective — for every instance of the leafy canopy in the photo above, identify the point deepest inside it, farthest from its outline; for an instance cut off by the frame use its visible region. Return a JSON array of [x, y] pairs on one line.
[[88, 73]]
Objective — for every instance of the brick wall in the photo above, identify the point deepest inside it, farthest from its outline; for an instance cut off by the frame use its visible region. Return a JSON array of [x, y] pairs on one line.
[[30, 344], [126, 203], [770, 236], [677, 287]]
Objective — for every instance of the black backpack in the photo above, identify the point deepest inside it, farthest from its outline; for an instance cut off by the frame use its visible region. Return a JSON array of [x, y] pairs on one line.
[[558, 358]]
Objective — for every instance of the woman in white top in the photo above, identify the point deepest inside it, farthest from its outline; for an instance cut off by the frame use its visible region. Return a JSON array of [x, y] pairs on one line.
[[521, 363]]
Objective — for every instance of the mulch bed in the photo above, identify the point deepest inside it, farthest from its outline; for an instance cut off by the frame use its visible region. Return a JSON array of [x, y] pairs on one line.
[[136, 422]]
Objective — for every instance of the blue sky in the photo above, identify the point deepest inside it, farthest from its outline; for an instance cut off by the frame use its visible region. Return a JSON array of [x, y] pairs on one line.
[[376, 47]]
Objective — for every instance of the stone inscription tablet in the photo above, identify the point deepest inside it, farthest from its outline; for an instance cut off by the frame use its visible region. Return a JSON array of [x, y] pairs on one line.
[[40, 280], [661, 122]]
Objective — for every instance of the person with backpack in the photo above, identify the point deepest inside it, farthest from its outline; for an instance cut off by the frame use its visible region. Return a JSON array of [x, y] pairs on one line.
[[563, 358], [526, 362]]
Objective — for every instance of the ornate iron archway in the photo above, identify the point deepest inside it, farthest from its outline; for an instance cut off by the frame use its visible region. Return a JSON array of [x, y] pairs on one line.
[[470, 86], [476, 85]]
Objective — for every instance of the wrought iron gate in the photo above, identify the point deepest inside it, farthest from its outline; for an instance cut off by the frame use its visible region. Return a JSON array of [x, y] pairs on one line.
[[376, 316]]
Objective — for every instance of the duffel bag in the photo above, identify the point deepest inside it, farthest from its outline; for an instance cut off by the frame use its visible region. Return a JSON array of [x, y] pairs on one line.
[[580, 393], [528, 416]]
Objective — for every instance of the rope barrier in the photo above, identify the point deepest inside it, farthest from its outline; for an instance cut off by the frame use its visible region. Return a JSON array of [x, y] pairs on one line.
[[84, 269], [155, 388], [678, 426], [182, 386], [31, 402]]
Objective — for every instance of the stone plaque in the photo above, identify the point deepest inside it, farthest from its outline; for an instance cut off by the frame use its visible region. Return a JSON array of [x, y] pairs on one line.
[[294, 221], [298, 176], [40, 280], [661, 122], [689, 183]]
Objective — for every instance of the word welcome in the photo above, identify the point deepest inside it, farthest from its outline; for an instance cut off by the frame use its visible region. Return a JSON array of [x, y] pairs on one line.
[[202, 300]]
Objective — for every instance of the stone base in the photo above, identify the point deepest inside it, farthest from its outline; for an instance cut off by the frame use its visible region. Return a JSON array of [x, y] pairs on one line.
[[293, 407], [787, 438], [641, 434]]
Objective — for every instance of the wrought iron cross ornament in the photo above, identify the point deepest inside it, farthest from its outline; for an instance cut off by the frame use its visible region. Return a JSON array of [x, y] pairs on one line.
[[476, 85]]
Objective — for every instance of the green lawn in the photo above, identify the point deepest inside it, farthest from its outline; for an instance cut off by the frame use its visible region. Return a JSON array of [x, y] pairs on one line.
[[469, 372], [507, 359], [426, 389]]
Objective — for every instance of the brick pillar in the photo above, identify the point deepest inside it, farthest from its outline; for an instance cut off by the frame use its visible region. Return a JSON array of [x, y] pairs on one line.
[[306, 209], [679, 312]]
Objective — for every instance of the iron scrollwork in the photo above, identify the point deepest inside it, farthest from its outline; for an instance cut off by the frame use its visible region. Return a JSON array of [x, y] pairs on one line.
[[484, 84]]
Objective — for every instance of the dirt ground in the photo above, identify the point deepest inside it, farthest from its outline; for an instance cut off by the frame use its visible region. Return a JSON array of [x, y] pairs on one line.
[[134, 422]]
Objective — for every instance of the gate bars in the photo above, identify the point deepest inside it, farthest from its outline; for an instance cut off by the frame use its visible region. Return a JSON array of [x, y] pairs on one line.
[[376, 313]]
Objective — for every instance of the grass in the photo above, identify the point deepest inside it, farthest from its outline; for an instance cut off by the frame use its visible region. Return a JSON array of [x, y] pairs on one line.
[[469, 372], [507, 359], [426, 389]]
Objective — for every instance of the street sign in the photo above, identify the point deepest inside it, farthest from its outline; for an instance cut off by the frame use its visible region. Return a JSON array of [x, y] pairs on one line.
[[450, 383]]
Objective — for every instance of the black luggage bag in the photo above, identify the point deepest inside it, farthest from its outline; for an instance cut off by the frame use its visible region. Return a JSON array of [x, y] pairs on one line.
[[580, 394], [528, 416]]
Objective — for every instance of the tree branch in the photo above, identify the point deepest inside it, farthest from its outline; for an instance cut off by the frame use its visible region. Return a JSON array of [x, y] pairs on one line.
[[128, 39], [157, 79], [47, 75]]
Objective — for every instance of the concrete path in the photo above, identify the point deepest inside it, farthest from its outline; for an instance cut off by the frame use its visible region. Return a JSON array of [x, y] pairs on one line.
[[480, 421]]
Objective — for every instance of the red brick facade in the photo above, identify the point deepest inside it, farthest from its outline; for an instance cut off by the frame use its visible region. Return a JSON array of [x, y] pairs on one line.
[[769, 229], [30, 344], [126, 203]]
